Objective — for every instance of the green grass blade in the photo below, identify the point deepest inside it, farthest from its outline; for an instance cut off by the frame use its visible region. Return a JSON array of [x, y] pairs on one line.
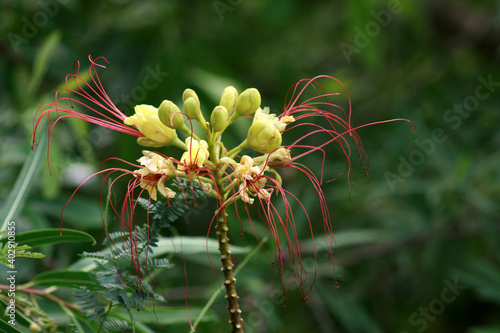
[[41, 62], [26, 178], [7, 328]]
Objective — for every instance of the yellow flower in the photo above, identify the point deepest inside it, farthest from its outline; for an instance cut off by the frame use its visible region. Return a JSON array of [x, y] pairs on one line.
[[280, 124], [196, 155], [281, 154], [157, 169], [265, 133], [146, 120], [263, 136], [156, 164], [252, 179]]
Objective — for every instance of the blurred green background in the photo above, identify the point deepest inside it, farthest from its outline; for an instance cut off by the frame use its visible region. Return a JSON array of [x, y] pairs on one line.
[[418, 238]]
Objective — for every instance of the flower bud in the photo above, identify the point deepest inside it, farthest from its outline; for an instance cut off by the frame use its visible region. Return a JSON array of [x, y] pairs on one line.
[[263, 136], [190, 93], [35, 328], [146, 120], [192, 108], [219, 118], [248, 102], [228, 98], [170, 115]]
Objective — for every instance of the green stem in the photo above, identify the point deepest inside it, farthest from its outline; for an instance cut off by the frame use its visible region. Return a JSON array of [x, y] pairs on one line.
[[233, 152]]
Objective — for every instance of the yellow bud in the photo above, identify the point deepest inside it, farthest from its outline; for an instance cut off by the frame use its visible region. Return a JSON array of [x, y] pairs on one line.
[[248, 102], [219, 118], [228, 98], [170, 115], [192, 108], [35, 328], [263, 136], [190, 93], [146, 120]]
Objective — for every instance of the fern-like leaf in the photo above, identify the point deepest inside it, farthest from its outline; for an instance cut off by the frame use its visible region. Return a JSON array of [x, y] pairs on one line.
[[21, 251]]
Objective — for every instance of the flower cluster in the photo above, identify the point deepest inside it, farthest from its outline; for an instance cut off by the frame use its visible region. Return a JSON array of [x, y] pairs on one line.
[[247, 173]]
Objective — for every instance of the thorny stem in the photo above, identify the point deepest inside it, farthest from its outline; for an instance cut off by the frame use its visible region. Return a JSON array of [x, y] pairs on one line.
[[236, 271], [227, 269]]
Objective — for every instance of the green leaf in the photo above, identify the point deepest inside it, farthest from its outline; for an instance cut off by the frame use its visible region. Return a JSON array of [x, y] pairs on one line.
[[193, 245], [26, 178], [20, 251], [52, 236], [41, 62], [64, 278], [485, 329], [164, 316], [353, 237], [347, 310], [483, 277], [7, 328], [77, 213], [21, 319]]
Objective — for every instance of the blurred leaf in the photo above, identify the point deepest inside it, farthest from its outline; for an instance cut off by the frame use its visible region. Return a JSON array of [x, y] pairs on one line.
[[50, 178], [80, 212], [344, 238], [21, 319], [52, 236], [64, 278], [41, 62], [193, 245], [490, 329], [8, 328], [185, 245], [211, 84], [483, 277], [347, 310], [165, 315], [25, 179]]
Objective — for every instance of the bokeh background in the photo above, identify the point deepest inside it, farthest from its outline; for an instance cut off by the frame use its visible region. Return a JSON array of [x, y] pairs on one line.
[[418, 237]]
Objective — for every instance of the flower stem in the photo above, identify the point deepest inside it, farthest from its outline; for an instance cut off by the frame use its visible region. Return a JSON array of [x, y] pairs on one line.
[[236, 271], [232, 153], [227, 269]]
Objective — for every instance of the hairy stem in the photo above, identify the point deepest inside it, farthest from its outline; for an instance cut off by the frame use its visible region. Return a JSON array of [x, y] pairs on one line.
[[227, 269]]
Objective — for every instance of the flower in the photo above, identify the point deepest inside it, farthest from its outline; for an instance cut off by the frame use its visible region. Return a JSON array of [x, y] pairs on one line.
[[264, 135], [252, 180], [91, 96], [157, 169], [195, 156], [279, 123], [213, 166], [146, 120]]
